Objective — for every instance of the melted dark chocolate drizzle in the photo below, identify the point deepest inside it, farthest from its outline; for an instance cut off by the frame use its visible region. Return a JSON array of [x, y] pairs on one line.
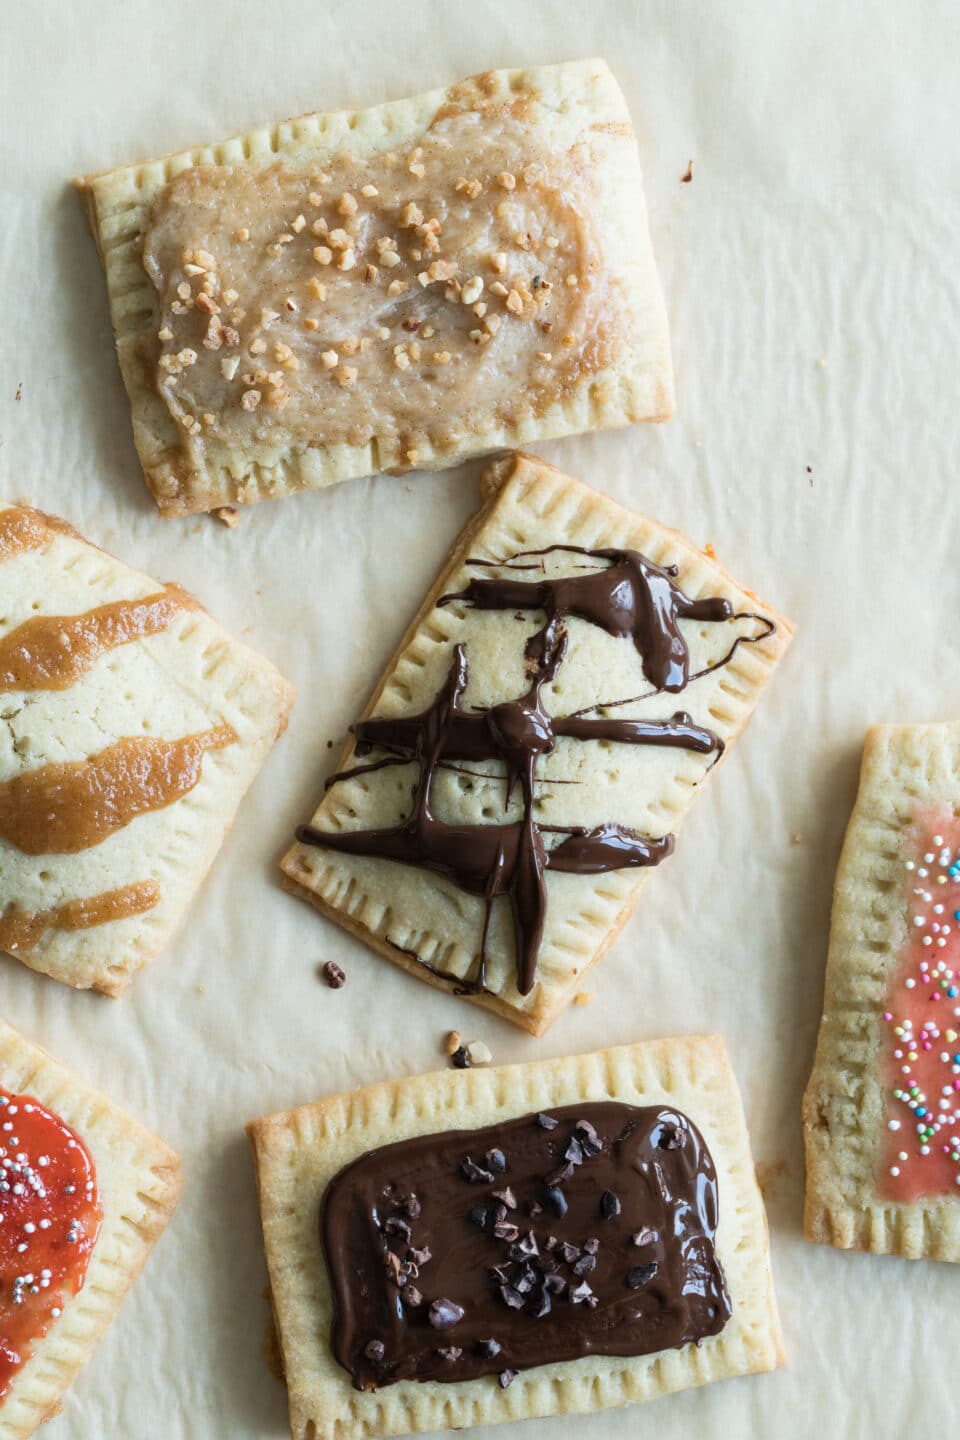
[[630, 597], [587, 1231]]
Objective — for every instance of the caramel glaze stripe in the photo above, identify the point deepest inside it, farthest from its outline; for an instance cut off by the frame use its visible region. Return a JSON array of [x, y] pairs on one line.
[[22, 930], [51, 652], [60, 809], [22, 528]]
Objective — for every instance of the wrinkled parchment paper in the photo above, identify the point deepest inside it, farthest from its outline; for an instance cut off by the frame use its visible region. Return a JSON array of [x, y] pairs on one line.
[[810, 268]]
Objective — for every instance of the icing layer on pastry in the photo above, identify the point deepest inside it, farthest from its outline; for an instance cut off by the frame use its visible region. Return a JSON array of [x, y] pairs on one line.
[[51, 652], [628, 596], [589, 1230], [22, 528], [403, 295], [921, 1053], [21, 930], [59, 809], [51, 1213]]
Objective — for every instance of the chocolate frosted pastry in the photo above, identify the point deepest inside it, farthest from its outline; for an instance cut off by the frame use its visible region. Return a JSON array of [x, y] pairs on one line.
[[572, 677], [588, 1230], [563, 1229], [390, 289], [133, 727], [882, 1109]]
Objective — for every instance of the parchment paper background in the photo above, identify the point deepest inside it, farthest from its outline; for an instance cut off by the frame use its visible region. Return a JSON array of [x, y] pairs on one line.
[[811, 273]]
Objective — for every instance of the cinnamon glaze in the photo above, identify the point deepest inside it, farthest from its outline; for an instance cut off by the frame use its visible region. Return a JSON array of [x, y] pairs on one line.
[[22, 930]]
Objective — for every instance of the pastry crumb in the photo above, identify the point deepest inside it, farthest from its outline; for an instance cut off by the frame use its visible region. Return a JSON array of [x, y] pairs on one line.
[[228, 515], [584, 998], [687, 175]]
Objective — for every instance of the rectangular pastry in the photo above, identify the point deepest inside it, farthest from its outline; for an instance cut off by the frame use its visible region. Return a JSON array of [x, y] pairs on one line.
[[882, 1110], [384, 289], [132, 727], [481, 1246], [85, 1194], [533, 711]]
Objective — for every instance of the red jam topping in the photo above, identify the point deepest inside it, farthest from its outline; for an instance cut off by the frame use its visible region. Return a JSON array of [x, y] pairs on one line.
[[50, 1218], [921, 1064]]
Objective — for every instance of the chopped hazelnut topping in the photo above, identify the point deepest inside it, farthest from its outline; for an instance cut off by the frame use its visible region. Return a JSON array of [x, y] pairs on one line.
[[311, 323], [427, 331], [204, 259], [552, 242], [339, 239], [267, 317], [417, 167], [402, 360], [208, 306], [165, 334], [383, 332], [441, 357], [317, 288], [572, 280], [242, 234], [298, 224], [365, 344], [183, 290], [251, 399], [544, 355], [258, 345], [314, 199], [412, 215], [347, 260], [320, 227], [397, 287], [506, 180], [193, 270], [350, 346], [514, 303], [187, 357], [389, 258], [322, 254], [346, 205], [275, 249], [480, 309], [412, 456], [329, 359], [472, 290], [531, 174], [208, 417], [498, 263], [229, 366], [347, 374], [413, 350], [230, 296], [492, 323], [470, 188], [370, 274], [498, 288], [369, 191], [281, 352]]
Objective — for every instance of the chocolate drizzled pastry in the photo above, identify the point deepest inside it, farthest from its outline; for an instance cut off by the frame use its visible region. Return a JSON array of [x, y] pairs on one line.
[[629, 597], [513, 1292]]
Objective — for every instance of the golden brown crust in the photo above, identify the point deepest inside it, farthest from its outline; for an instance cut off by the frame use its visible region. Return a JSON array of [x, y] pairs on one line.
[[569, 105], [844, 1103], [522, 494]]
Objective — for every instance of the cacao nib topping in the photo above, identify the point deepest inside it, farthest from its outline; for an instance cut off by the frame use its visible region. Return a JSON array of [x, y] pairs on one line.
[[534, 1208], [670, 1138], [444, 1313], [547, 1122], [639, 1275], [506, 1377], [410, 1268], [334, 976], [627, 596], [610, 1205], [475, 1173], [557, 1200], [460, 1058]]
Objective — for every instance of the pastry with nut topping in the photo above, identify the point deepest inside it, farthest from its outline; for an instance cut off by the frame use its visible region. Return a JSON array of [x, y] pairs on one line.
[[384, 290]]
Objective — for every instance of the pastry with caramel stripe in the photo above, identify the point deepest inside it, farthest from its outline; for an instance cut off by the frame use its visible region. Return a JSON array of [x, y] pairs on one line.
[[131, 726]]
